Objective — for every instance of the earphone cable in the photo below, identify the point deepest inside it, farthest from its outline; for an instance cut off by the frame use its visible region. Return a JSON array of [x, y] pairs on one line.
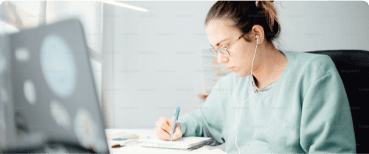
[[234, 95]]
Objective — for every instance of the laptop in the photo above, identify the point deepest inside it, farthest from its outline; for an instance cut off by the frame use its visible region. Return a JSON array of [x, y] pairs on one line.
[[55, 102]]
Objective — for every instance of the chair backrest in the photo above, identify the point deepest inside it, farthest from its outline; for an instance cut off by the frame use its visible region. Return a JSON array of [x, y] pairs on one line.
[[353, 67]]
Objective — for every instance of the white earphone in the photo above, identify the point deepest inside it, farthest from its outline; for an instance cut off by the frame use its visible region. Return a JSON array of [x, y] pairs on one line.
[[234, 93]]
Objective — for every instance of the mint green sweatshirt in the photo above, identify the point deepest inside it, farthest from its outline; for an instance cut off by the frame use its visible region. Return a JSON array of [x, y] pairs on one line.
[[306, 111]]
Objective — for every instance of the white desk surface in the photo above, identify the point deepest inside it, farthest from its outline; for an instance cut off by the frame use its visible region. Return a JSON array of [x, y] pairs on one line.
[[133, 147]]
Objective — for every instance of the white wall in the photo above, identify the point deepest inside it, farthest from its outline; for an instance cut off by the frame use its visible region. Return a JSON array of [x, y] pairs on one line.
[[157, 60], [324, 25]]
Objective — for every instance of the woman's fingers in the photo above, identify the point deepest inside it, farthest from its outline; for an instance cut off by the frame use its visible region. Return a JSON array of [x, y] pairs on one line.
[[164, 129], [163, 134], [178, 133], [163, 124]]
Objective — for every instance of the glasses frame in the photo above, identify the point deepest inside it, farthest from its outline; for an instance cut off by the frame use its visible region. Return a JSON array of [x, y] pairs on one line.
[[222, 50]]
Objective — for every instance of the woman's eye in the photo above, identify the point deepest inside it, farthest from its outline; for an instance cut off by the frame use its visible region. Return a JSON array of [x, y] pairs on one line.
[[222, 46]]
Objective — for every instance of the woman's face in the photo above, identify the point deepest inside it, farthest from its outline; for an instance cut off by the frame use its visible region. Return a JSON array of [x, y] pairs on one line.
[[241, 52]]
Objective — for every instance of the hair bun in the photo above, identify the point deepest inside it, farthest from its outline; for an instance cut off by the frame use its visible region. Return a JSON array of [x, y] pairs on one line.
[[266, 0], [257, 4]]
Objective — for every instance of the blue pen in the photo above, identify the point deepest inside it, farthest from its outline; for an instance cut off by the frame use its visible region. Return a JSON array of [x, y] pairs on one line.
[[176, 115]]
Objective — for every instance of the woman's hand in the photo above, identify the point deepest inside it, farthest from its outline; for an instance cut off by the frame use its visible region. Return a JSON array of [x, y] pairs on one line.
[[164, 129]]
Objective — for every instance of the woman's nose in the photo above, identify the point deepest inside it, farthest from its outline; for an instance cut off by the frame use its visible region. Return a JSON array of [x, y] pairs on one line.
[[221, 58]]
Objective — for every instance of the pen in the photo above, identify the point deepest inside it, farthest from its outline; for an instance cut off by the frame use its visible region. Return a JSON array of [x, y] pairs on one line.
[[118, 145], [176, 115], [125, 137]]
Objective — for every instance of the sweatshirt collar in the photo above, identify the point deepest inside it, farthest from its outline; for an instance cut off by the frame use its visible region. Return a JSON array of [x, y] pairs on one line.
[[277, 84]]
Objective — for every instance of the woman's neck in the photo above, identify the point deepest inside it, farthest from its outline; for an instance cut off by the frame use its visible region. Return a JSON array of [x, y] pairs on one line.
[[270, 66]]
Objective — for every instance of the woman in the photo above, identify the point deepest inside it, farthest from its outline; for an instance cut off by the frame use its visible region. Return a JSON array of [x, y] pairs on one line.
[[273, 101]]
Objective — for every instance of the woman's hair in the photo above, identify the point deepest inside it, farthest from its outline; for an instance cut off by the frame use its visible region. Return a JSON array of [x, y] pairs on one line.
[[246, 14]]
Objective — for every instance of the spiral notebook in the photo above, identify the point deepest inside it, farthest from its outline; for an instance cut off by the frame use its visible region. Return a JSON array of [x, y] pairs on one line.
[[183, 143]]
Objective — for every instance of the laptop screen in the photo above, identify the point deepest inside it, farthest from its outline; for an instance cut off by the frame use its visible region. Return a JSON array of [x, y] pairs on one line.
[[53, 89]]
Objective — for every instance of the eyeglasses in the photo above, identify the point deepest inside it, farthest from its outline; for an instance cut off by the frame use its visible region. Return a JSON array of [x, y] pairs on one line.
[[223, 50]]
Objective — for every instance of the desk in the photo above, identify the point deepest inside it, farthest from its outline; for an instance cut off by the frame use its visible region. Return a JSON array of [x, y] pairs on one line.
[[144, 133]]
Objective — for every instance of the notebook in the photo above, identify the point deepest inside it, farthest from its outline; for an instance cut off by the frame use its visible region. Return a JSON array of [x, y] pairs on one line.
[[183, 143]]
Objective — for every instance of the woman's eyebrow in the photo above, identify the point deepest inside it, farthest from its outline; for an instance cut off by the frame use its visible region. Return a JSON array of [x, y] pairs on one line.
[[220, 42]]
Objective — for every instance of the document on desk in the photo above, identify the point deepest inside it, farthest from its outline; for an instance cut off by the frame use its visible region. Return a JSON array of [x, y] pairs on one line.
[[183, 143]]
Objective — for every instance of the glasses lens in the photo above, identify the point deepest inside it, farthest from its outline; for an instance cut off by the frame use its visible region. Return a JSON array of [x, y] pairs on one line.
[[214, 52], [224, 52]]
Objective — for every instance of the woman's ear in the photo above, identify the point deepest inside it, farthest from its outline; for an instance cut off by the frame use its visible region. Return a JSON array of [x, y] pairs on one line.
[[258, 31], [259, 39]]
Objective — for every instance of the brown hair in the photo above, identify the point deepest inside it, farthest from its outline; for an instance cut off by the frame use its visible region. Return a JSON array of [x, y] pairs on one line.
[[246, 14]]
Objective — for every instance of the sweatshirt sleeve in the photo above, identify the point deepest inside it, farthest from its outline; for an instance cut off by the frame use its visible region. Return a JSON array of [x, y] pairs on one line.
[[208, 119], [326, 122]]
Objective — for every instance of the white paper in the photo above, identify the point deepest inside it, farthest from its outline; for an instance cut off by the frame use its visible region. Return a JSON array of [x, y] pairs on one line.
[[181, 143]]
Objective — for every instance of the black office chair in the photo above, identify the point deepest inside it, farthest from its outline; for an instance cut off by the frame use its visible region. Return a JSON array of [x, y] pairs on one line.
[[353, 67]]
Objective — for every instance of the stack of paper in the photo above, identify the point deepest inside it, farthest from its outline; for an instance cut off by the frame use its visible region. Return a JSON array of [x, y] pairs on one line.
[[183, 143]]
